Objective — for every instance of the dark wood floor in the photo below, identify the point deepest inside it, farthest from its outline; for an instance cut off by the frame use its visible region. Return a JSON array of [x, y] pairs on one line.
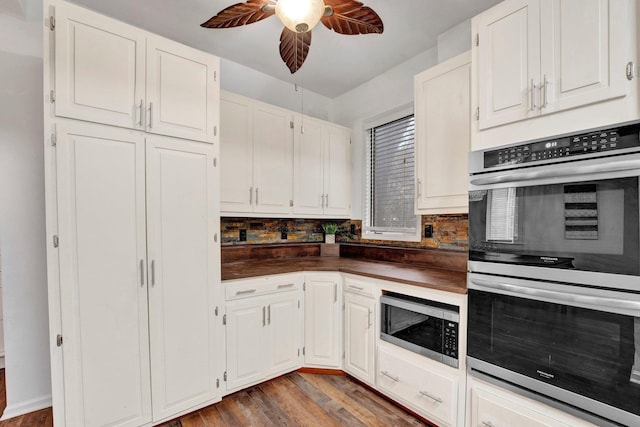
[[295, 399]]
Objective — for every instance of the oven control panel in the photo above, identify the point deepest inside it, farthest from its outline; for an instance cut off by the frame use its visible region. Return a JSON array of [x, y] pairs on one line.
[[450, 338], [567, 146]]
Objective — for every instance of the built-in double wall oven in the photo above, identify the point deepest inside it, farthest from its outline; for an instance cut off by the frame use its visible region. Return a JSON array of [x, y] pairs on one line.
[[554, 271]]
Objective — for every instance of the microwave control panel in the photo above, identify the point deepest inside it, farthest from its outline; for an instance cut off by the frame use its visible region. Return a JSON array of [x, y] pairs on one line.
[[567, 146], [450, 338]]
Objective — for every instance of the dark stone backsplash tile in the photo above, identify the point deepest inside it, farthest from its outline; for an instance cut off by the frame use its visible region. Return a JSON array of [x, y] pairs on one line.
[[450, 232]]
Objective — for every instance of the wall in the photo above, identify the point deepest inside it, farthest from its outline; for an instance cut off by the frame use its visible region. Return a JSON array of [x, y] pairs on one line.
[[22, 221]]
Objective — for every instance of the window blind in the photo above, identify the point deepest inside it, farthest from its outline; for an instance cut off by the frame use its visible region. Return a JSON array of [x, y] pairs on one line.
[[502, 224], [390, 177]]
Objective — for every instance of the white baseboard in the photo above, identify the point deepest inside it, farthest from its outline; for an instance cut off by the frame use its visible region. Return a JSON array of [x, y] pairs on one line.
[[22, 408]]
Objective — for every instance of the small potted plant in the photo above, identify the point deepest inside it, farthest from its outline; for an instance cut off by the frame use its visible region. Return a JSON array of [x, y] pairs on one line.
[[330, 232]]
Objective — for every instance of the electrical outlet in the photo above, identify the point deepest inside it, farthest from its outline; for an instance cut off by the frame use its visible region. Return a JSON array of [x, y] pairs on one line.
[[428, 231], [243, 235], [352, 229], [283, 235]]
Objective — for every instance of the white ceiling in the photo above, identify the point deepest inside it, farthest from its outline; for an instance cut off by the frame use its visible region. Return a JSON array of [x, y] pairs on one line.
[[336, 63]]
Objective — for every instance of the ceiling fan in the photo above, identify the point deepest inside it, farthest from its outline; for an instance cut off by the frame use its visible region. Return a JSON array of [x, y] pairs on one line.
[[299, 17]]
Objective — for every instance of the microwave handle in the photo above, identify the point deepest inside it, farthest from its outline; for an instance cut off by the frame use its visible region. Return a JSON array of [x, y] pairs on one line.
[[565, 170], [615, 305]]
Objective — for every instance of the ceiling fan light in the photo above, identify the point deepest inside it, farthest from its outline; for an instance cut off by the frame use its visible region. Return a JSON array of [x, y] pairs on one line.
[[300, 16]]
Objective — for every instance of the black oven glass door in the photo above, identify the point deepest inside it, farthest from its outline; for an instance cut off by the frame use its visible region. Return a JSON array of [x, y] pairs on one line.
[[586, 225], [590, 352]]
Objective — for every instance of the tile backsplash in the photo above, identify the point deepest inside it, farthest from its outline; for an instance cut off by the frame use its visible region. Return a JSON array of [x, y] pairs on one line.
[[449, 232]]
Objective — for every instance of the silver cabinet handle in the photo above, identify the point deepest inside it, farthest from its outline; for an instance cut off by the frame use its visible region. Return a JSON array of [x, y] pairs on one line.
[[358, 288], [141, 273], [263, 315], [327, 203], [487, 424], [370, 322], [269, 314], [419, 188], [533, 95], [141, 111], [543, 89], [435, 399], [153, 273], [322, 200], [388, 375], [335, 292], [250, 195], [288, 285], [150, 115], [257, 196], [248, 291]]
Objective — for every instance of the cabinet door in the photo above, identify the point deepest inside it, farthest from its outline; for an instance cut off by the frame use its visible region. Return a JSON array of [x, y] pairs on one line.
[[442, 113], [337, 170], [359, 333], [508, 62], [182, 91], [322, 320], [236, 155], [583, 52], [272, 160], [308, 195], [99, 68], [182, 219], [246, 321], [103, 293], [284, 333]]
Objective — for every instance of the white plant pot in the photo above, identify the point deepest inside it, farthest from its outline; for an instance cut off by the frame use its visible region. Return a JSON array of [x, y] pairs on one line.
[[329, 238]]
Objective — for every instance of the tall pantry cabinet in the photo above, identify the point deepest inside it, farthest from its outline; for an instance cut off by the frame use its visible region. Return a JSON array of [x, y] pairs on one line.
[[132, 222]]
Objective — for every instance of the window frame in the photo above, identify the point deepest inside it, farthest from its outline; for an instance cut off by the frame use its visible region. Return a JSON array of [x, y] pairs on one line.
[[368, 232]]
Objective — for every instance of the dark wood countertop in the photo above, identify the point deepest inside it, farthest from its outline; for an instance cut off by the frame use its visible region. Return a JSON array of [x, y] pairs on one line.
[[412, 274]]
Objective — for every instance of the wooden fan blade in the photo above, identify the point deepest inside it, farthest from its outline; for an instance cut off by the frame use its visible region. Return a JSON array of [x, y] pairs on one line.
[[241, 14], [351, 17], [294, 48]]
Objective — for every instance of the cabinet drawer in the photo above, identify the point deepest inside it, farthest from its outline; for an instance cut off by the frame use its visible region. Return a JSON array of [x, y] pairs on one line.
[[429, 393], [261, 286], [358, 287]]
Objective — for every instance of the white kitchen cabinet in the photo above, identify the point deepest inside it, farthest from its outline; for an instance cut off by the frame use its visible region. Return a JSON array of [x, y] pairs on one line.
[[493, 406], [113, 73], [536, 57], [137, 283], [428, 389], [443, 119], [360, 326], [263, 329], [256, 157], [323, 320], [184, 261], [322, 168]]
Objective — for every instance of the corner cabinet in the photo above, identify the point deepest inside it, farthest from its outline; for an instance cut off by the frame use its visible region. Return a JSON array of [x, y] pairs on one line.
[[443, 117], [323, 320], [256, 157], [113, 73], [138, 274], [322, 168], [533, 59]]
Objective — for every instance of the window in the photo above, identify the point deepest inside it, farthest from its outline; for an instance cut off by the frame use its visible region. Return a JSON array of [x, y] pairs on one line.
[[389, 204]]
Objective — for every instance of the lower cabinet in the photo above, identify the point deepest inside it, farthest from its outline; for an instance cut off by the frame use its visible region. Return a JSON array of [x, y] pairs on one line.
[[495, 407], [263, 330], [427, 389], [360, 326], [323, 320]]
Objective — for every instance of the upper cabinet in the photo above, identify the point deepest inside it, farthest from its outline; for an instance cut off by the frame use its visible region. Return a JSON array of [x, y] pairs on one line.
[[442, 114], [322, 168], [256, 152], [273, 164], [533, 58], [112, 73]]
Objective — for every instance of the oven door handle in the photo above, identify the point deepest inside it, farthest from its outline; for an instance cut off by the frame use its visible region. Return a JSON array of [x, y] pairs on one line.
[[564, 171], [615, 305]]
